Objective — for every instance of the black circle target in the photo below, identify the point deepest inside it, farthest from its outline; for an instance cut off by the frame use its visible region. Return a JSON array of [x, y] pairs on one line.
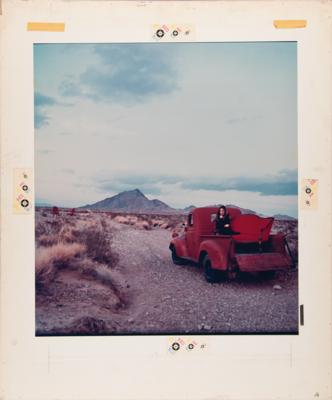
[[160, 33], [24, 203], [175, 346]]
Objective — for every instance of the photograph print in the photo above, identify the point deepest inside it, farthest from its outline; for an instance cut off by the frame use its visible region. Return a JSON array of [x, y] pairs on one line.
[[166, 180]]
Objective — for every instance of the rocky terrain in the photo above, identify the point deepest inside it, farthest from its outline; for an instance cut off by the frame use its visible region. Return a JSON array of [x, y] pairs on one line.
[[105, 273]]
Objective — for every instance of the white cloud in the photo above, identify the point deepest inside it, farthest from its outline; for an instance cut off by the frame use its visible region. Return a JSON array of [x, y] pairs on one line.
[[227, 118]]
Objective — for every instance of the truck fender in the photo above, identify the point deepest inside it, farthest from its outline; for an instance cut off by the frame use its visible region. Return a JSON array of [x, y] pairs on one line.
[[218, 252], [179, 244]]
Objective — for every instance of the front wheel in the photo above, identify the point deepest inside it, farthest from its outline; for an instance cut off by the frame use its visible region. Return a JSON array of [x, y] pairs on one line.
[[211, 275], [176, 259]]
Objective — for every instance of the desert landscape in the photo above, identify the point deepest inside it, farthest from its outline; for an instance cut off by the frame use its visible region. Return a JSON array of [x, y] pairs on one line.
[[135, 136], [105, 273]]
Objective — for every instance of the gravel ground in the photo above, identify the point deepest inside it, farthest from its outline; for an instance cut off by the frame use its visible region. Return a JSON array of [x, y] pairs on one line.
[[171, 298], [163, 298]]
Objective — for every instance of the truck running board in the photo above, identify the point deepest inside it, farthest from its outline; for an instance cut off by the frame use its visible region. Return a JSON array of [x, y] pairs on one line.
[[262, 262]]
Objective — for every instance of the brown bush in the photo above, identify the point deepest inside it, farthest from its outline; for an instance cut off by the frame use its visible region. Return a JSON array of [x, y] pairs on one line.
[[88, 325], [143, 225], [47, 240], [121, 220], [49, 259], [81, 244], [98, 244]]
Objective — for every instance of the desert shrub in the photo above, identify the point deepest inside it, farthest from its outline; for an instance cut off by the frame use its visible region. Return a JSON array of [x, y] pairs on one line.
[[290, 229], [55, 225], [107, 276], [47, 240], [84, 245], [45, 274], [143, 225], [121, 220], [66, 234], [103, 224], [49, 259], [98, 244], [52, 232], [88, 325], [42, 229], [59, 253]]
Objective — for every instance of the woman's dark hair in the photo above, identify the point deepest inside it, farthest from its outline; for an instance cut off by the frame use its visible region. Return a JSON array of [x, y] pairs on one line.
[[218, 213]]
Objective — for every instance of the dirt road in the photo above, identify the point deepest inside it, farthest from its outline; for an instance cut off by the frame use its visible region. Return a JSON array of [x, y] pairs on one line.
[[168, 297], [163, 298]]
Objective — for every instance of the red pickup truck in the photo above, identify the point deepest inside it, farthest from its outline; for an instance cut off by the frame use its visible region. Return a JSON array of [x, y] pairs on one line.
[[252, 249]]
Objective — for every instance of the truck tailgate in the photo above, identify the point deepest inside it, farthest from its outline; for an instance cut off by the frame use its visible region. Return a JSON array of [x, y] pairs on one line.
[[263, 261]]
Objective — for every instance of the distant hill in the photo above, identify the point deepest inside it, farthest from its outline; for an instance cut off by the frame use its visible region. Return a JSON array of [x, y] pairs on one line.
[[189, 208], [282, 217], [130, 201], [41, 204], [135, 201]]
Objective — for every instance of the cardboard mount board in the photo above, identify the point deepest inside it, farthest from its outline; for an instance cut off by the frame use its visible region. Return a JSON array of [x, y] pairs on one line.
[[134, 367]]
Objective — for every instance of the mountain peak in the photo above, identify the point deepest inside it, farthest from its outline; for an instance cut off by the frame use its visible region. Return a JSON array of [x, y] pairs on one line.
[[137, 191], [131, 201]]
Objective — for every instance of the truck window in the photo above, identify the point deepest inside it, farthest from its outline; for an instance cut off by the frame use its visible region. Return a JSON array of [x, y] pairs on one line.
[[190, 220]]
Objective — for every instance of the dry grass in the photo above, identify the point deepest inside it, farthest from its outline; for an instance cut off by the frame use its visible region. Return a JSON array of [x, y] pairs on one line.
[[49, 259], [149, 221], [82, 243], [107, 276], [98, 244]]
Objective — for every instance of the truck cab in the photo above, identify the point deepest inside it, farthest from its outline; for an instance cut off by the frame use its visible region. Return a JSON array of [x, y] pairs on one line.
[[252, 249]]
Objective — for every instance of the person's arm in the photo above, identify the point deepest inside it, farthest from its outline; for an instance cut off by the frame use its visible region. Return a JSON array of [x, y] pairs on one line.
[[227, 222], [218, 226]]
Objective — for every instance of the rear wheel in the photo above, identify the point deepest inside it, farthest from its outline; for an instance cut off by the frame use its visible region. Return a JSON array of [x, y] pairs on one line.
[[176, 259], [211, 275]]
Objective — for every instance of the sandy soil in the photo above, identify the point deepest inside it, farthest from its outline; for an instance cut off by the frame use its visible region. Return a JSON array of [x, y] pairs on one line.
[[154, 296]]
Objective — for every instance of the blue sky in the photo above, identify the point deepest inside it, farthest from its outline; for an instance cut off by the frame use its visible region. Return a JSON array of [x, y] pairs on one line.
[[188, 123]]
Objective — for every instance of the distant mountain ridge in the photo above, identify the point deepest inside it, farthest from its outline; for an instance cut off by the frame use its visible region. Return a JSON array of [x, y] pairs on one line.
[[130, 201], [282, 217], [135, 201]]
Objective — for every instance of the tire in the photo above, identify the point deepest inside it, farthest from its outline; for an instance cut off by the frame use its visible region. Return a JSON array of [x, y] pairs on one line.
[[177, 260], [211, 275], [268, 274]]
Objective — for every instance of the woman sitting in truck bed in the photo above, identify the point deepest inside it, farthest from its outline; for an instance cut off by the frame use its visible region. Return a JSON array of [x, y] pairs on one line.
[[223, 222]]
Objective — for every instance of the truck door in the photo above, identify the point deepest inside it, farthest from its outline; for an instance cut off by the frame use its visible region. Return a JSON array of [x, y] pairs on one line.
[[191, 240]]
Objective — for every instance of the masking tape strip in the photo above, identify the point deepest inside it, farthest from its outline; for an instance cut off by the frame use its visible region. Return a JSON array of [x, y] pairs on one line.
[[289, 23], [46, 26]]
